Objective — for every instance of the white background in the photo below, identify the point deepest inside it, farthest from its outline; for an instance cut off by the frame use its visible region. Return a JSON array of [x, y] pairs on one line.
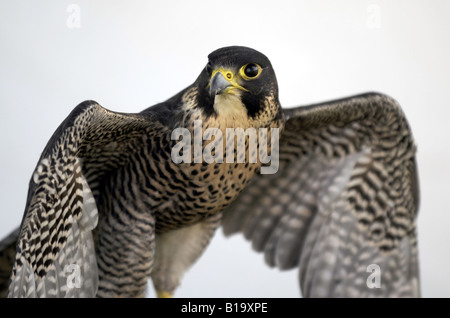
[[128, 55]]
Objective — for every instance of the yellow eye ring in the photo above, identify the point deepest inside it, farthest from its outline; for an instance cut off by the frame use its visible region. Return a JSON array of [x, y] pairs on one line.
[[250, 71]]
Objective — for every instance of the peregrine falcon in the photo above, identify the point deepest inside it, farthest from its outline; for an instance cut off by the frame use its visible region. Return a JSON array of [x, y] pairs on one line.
[[117, 199]]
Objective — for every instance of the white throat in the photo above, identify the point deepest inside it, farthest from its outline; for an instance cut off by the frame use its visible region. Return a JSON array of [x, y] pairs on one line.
[[231, 110]]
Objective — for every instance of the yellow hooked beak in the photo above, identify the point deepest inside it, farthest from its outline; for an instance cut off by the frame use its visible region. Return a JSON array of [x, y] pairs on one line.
[[223, 81]]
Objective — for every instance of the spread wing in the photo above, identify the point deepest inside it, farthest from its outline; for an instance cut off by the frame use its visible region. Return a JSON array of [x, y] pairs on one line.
[[342, 206], [55, 254]]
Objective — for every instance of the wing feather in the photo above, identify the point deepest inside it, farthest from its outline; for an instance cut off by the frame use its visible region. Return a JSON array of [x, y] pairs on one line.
[[55, 254], [343, 201]]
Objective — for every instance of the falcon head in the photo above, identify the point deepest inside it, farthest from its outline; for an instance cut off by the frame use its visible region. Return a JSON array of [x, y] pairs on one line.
[[239, 83]]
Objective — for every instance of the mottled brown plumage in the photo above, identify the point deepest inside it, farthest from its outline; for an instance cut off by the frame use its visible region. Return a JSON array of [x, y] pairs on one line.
[[109, 203]]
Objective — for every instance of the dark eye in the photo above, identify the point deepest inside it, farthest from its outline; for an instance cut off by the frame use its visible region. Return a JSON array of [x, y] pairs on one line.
[[250, 71], [209, 68]]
